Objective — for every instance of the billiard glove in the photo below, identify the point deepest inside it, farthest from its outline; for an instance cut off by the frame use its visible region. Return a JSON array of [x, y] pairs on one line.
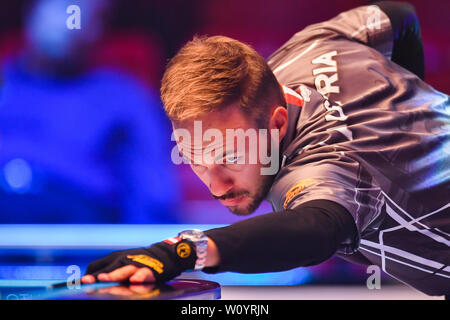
[[167, 259]]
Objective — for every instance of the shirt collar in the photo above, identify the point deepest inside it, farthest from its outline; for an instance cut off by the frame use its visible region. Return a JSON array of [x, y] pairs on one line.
[[294, 104]]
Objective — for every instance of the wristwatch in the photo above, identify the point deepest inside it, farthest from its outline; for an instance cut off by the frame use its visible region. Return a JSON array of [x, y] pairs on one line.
[[200, 241]]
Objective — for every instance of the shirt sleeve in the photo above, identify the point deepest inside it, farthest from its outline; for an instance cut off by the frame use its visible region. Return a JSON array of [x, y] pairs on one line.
[[283, 240], [368, 25], [333, 177]]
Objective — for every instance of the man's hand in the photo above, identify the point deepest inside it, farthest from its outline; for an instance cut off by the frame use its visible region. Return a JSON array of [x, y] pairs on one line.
[[161, 262]]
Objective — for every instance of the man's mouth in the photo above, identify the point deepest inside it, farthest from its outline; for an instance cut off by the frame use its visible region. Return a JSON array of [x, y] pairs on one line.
[[231, 202]]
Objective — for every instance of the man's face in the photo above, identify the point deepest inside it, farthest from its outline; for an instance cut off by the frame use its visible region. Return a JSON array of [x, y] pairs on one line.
[[232, 172]]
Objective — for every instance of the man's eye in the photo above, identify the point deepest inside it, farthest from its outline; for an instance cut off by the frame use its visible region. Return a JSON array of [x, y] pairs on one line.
[[232, 159]]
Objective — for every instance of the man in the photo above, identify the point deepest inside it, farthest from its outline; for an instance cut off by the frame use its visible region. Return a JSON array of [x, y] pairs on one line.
[[364, 154]]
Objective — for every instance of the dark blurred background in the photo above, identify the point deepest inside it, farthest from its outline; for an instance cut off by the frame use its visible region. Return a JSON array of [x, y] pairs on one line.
[[83, 136]]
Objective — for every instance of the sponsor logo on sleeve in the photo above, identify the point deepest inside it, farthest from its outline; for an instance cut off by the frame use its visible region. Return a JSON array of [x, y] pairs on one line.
[[296, 189]]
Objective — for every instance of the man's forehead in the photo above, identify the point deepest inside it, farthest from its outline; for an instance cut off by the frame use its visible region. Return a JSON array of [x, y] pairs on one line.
[[230, 117], [205, 139]]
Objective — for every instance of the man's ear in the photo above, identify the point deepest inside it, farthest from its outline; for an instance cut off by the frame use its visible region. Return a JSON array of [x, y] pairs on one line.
[[279, 120]]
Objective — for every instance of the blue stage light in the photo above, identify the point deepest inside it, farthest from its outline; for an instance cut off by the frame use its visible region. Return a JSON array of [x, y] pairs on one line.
[[18, 175]]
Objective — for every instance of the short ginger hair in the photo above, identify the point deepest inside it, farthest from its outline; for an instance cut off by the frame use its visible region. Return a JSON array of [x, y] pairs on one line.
[[209, 73]]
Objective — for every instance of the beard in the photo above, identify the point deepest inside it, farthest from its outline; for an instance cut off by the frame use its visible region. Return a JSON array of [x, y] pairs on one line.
[[255, 200]]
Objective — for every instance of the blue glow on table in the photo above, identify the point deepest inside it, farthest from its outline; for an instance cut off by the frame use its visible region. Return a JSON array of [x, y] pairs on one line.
[[49, 240], [89, 235]]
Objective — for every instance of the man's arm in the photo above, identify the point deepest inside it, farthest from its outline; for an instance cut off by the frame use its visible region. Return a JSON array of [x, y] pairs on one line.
[[306, 235], [392, 28], [407, 48]]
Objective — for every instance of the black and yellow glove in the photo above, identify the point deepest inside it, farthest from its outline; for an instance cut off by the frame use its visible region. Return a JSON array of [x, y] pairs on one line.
[[167, 259]]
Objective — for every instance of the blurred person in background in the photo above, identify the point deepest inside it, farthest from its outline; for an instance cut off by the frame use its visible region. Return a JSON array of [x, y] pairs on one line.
[[79, 144]]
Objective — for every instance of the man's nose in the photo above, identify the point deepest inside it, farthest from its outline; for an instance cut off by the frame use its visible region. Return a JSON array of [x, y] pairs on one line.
[[219, 184]]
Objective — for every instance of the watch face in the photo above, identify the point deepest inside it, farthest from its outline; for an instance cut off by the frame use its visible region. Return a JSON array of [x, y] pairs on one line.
[[195, 235]]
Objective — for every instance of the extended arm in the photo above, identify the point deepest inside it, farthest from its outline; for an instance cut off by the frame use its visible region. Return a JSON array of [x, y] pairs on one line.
[[306, 235]]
